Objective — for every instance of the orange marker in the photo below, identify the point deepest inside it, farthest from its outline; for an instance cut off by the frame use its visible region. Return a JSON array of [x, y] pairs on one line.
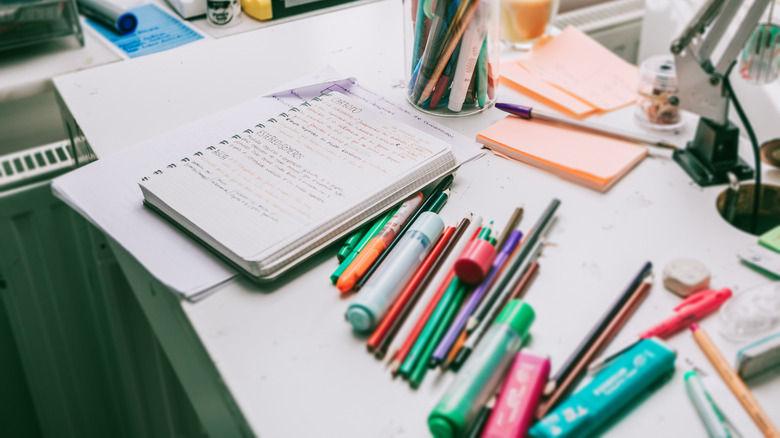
[[377, 245]]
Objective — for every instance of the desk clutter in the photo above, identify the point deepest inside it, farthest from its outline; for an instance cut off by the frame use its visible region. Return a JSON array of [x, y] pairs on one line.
[[437, 298]]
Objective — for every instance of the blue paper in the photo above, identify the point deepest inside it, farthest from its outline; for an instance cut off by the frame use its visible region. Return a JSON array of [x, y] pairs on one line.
[[157, 31]]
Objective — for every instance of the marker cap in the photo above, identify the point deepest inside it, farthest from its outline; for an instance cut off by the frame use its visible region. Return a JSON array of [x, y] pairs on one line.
[[475, 263], [361, 318], [440, 427], [127, 22], [428, 223], [518, 314]]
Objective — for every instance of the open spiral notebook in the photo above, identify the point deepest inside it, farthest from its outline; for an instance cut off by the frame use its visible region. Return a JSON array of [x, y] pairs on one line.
[[268, 197]]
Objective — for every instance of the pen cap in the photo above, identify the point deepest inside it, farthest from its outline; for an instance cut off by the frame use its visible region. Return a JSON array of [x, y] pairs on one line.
[[474, 264], [518, 315]]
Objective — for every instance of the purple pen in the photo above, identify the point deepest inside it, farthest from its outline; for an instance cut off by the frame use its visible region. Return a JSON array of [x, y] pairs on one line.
[[528, 113], [463, 315]]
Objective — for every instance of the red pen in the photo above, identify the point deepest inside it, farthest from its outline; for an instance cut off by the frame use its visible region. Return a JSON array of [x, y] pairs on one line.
[[692, 309]]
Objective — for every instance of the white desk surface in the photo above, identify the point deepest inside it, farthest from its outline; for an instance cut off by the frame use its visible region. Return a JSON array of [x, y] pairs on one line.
[[286, 354]]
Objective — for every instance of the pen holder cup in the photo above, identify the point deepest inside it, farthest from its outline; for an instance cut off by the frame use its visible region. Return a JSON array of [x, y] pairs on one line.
[[452, 49]]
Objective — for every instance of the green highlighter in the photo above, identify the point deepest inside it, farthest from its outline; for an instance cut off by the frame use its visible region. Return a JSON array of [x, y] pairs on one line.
[[484, 371], [771, 239]]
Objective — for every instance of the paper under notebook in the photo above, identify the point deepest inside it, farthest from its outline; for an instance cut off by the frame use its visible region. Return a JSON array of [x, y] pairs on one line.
[[270, 196], [589, 159]]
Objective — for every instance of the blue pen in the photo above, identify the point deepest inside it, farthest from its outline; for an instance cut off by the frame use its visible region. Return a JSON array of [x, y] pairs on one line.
[[624, 380], [376, 297]]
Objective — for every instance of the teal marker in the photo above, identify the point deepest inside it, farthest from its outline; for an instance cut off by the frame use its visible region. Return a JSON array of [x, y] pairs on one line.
[[372, 232], [383, 288], [630, 375], [481, 376]]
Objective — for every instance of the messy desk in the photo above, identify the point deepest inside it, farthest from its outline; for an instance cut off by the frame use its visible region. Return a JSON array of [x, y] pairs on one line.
[[279, 359]]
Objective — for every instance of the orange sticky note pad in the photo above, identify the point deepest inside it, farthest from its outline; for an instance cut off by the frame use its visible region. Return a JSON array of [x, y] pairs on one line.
[[542, 91], [577, 64], [589, 159]]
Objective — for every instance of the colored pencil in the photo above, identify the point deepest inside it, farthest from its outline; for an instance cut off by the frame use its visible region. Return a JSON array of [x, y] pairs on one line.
[[401, 356], [566, 379], [510, 276], [415, 284], [414, 323], [511, 225], [734, 382], [437, 324], [522, 286], [460, 320], [395, 325]]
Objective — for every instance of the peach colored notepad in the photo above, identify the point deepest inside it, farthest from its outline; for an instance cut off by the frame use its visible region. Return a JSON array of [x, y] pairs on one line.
[[575, 72], [589, 159]]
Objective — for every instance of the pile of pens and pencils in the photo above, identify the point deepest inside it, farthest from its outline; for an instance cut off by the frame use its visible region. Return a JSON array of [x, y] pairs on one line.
[[453, 64], [430, 296]]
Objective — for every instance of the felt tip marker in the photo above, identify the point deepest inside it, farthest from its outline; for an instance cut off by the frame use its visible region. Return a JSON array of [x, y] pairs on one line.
[[383, 288], [459, 408], [377, 245]]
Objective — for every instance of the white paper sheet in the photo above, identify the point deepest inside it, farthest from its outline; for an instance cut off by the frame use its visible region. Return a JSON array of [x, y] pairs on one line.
[[106, 192]]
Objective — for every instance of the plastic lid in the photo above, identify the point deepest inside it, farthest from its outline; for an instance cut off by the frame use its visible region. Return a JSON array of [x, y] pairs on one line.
[[518, 314], [361, 319], [428, 223], [440, 427], [660, 72]]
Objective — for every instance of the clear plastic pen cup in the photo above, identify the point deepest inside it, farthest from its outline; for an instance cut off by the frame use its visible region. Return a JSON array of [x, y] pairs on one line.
[[452, 55]]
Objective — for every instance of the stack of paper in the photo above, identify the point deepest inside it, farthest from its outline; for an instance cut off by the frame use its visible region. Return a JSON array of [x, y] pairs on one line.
[[573, 74], [589, 159]]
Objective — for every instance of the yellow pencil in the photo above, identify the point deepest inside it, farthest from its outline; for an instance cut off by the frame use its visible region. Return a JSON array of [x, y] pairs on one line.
[[735, 384]]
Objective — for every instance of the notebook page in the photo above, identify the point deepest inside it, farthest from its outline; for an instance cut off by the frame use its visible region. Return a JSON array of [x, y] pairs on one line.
[[283, 177]]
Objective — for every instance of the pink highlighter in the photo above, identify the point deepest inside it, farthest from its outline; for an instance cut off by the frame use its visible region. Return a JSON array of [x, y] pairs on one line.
[[519, 396]]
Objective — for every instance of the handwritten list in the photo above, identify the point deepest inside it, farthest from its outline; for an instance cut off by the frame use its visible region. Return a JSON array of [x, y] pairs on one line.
[[290, 173]]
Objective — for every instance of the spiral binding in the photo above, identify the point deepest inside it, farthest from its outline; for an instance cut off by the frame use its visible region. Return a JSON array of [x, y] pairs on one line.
[[245, 131]]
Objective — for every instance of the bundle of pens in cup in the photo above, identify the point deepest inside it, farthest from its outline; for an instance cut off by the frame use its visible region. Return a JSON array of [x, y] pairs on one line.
[[452, 51]]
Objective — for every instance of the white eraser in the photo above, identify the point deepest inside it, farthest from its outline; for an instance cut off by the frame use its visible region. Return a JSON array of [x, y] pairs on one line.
[[686, 276]]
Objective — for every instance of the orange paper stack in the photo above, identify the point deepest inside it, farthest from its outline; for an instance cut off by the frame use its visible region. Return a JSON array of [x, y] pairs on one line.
[[589, 159]]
